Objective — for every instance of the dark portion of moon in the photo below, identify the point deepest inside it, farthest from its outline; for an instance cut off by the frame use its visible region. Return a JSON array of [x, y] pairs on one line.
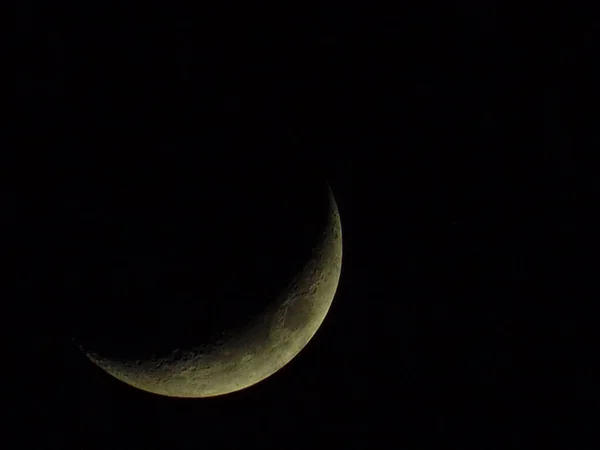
[[187, 273]]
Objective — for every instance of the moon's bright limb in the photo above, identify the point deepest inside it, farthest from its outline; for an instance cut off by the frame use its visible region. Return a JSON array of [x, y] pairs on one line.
[[242, 358]]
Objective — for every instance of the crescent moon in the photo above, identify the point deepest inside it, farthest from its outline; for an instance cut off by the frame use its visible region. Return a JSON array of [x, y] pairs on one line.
[[241, 358]]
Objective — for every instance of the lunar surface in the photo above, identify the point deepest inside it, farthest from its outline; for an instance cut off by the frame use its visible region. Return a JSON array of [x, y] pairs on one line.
[[239, 358]]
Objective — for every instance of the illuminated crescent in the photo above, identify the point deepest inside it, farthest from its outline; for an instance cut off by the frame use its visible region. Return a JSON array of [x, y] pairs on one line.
[[241, 358]]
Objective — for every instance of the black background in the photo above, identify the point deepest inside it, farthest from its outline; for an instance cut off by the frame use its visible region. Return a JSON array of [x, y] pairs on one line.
[[452, 137]]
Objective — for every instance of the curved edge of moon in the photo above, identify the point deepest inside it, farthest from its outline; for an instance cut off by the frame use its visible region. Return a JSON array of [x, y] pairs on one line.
[[241, 358]]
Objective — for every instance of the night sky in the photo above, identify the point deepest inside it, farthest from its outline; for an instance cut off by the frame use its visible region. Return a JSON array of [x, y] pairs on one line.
[[171, 173]]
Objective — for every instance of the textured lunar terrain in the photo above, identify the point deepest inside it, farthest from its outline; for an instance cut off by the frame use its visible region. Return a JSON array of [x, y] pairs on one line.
[[236, 359]]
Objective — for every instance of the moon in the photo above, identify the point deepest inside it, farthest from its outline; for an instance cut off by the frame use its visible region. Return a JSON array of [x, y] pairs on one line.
[[239, 358]]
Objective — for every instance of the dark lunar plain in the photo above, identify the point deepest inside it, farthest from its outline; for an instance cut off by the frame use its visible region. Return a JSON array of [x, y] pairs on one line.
[[169, 176]]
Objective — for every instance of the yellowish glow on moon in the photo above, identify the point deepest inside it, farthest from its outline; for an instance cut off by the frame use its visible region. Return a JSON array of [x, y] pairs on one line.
[[242, 358]]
